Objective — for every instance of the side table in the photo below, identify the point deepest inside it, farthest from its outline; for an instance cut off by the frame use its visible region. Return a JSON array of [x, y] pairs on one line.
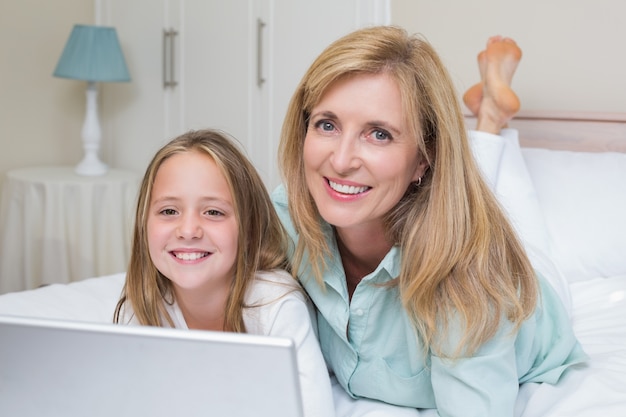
[[57, 226]]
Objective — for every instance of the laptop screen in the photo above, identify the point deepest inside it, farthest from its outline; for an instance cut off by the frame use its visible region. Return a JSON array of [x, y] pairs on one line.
[[72, 369]]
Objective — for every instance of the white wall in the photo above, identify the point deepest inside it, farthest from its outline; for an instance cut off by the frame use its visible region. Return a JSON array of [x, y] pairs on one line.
[[40, 115], [573, 50], [574, 59]]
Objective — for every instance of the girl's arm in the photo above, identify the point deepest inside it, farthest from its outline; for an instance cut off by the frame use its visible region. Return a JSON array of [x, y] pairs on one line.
[[284, 312]]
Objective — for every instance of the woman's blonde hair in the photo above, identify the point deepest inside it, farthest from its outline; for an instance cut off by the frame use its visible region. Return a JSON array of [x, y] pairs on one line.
[[462, 262], [261, 237]]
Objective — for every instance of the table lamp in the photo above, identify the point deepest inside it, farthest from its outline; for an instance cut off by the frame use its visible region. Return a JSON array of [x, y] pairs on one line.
[[92, 54]]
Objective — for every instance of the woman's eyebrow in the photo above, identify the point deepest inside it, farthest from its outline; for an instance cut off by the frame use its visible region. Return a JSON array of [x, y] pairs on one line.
[[386, 125], [324, 113]]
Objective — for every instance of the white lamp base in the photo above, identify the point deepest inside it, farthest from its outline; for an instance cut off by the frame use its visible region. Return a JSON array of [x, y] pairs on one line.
[[91, 165], [91, 135]]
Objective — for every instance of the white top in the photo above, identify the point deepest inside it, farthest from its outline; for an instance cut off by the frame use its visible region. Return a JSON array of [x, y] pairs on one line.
[[282, 310]]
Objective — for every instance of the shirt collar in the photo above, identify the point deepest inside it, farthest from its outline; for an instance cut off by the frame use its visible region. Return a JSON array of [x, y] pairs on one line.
[[388, 269]]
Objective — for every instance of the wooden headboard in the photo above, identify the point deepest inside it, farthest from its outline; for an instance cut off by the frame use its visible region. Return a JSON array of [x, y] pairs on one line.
[[576, 131]]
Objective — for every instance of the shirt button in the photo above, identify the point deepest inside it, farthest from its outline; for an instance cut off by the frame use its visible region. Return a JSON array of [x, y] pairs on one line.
[[359, 312]]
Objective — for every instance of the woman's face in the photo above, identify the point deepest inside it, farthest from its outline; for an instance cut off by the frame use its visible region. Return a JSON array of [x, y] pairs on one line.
[[359, 155], [192, 228]]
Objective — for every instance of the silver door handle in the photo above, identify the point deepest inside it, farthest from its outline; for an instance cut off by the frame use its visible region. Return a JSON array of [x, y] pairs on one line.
[[169, 58], [259, 52]]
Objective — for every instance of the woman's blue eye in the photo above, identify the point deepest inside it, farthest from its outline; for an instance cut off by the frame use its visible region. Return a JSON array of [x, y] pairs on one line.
[[381, 135], [326, 126]]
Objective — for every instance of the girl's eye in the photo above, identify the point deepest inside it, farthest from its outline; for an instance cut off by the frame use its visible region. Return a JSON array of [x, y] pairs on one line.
[[168, 212], [214, 212]]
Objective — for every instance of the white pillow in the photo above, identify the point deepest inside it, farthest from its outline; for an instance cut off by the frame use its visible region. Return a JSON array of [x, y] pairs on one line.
[[583, 198]]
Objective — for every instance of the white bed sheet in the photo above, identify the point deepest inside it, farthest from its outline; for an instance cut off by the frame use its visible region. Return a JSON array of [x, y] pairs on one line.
[[597, 388], [91, 300]]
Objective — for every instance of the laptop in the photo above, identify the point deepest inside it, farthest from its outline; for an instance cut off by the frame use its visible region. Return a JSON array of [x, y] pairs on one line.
[[76, 369]]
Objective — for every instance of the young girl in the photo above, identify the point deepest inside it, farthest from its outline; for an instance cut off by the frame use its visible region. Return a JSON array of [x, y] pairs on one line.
[[209, 253]]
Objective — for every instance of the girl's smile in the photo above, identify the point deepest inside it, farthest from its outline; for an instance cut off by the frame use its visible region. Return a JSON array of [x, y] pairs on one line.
[[192, 227]]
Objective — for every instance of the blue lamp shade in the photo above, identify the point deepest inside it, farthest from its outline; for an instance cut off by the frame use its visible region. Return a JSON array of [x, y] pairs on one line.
[[92, 53]]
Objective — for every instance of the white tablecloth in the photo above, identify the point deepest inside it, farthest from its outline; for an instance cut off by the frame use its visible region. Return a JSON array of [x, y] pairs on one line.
[[57, 226]]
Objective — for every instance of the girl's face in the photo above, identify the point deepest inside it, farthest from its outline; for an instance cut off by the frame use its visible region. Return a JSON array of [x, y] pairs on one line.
[[359, 156], [191, 226]]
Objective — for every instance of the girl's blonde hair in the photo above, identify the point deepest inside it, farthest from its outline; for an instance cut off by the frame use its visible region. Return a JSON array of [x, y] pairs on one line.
[[261, 237], [462, 262]]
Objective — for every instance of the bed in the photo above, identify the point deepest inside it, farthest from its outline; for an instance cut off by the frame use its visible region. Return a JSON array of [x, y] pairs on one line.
[[577, 163]]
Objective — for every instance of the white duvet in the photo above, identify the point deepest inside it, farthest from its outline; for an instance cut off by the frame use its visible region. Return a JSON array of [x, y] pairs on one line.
[[597, 389]]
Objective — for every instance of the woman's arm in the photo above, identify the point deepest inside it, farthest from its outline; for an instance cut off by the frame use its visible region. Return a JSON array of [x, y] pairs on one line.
[[483, 385]]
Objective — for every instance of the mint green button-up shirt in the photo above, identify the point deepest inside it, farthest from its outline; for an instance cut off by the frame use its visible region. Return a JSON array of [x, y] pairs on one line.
[[372, 348]]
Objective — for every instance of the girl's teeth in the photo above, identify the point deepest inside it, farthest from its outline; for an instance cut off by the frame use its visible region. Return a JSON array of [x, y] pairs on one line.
[[190, 256]]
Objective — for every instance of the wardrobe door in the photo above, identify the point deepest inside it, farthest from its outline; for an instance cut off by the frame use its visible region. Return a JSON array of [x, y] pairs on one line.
[[231, 65], [216, 41], [299, 31], [190, 63], [139, 116]]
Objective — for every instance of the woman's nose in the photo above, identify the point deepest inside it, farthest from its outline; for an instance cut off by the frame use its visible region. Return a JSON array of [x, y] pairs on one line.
[[346, 154]]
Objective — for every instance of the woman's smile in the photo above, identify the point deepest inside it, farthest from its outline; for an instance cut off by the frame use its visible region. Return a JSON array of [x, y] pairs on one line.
[[359, 154]]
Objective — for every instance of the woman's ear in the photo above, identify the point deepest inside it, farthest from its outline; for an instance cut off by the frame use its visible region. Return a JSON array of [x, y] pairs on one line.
[[420, 169]]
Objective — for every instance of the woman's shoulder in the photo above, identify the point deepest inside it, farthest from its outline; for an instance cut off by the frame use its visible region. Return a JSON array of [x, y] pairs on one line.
[[279, 195]]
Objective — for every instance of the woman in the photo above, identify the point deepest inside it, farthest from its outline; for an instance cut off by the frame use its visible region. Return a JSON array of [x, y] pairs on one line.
[[425, 295]]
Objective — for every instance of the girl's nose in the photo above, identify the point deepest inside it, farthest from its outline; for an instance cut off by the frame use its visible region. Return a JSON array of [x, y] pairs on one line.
[[189, 227]]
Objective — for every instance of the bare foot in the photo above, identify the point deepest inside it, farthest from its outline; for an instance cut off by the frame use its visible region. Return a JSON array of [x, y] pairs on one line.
[[499, 102], [474, 95]]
